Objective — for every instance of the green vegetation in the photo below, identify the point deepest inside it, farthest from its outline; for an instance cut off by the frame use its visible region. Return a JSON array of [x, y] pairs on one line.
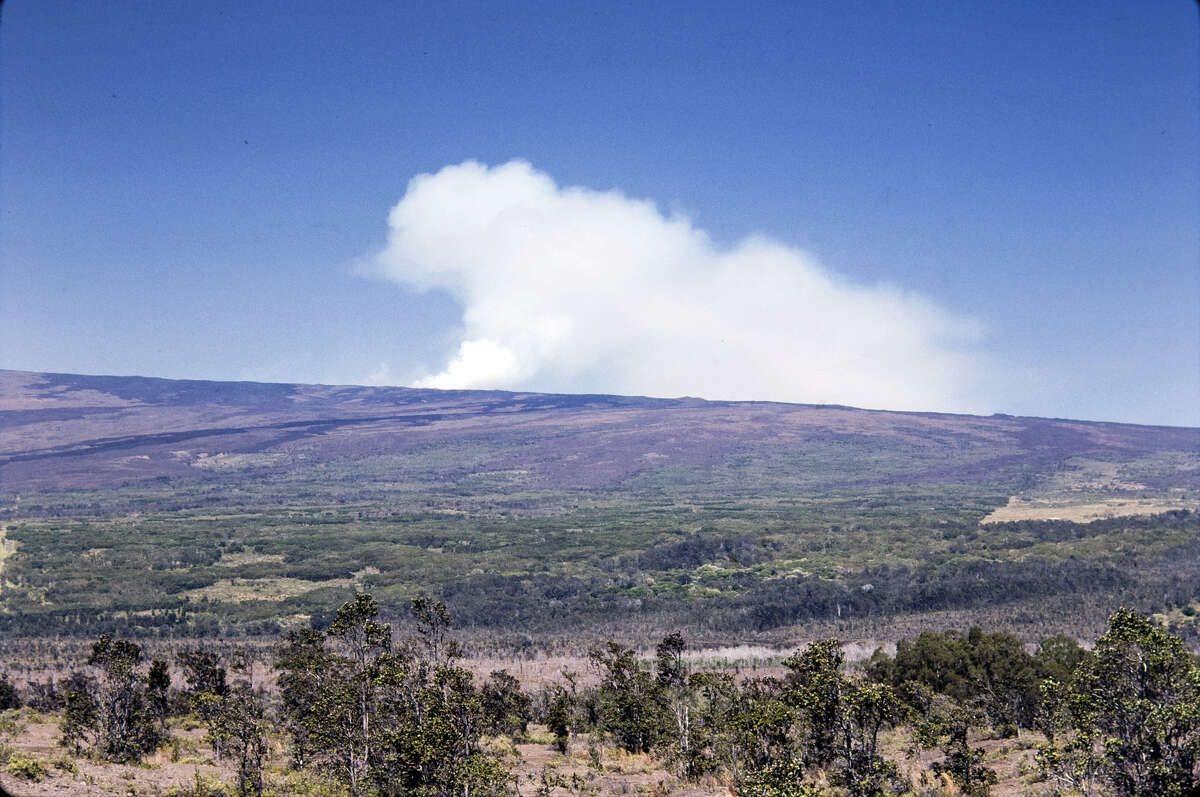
[[32, 769], [570, 560], [152, 508], [384, 716], [1130, 717]]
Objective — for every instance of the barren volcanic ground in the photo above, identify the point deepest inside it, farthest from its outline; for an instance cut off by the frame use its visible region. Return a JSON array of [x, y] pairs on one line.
[[174, 508]]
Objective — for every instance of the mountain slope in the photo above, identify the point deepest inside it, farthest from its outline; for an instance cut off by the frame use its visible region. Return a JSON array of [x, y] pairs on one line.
[[189, 506]]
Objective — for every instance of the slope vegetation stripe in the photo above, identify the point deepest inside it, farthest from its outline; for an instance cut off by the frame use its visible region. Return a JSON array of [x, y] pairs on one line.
[[6, 550]]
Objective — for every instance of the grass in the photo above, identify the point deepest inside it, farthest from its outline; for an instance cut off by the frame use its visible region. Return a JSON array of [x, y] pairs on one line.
[[260, 589], [1087, 489]]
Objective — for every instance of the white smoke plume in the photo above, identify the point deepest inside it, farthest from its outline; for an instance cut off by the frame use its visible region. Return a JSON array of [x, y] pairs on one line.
[[568, 289]]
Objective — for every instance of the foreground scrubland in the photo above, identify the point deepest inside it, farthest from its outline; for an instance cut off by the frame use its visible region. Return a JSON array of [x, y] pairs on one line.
[[354, 709]]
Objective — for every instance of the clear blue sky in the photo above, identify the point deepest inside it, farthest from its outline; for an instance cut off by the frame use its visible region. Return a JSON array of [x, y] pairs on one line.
[[190, 189]]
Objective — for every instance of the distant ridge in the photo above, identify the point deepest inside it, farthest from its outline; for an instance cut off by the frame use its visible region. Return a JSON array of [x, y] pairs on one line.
[[74, 431]]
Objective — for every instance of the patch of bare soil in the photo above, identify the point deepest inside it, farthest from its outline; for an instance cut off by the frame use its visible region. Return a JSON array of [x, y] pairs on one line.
[[598, 770], [1011, 759], [1019, 508], [39, 740], [588, 768]]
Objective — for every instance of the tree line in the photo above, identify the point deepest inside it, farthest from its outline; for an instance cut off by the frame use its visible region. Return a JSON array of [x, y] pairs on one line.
[[386, 716]]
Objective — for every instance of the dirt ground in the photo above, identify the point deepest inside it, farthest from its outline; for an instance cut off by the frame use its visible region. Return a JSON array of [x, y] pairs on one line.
[[588, 769], [39, 738], [1083, 512]]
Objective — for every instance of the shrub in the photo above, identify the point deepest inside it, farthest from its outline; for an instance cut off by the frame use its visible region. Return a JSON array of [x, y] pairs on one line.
[[65, 764], [200, 787], [31, 769], [8, 693]]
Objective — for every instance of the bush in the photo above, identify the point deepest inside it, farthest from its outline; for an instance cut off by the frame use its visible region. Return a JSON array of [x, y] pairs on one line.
[[200, 787], [43, 696], [10, 723], [8, 694], [31, 769], [65, 764]]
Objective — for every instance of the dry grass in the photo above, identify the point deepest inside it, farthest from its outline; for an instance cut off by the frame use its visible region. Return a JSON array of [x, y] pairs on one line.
[[238, 590], [39, 740], [7, 548], [590, 767], [247, 557], [225, 463], [1090, 489], [1019, 508]]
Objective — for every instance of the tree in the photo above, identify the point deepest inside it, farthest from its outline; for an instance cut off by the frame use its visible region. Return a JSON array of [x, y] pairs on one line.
[[126, 727], [304, 668], [203, 671], [814, 687], [433, 626], [158, 687], [559, 715], [866, 709], [507, 709], [433, 718], [782, 779], [841, 718], [328, 691], [8, 694], [940, 661], [80, 723], [390, 720], [945, 726], [1132, 716], [351, 695], [1004, 679], [991, 671], [1058, 657], [241, 723], [207, 688], [631, 707], [678, 697], [753, 726]]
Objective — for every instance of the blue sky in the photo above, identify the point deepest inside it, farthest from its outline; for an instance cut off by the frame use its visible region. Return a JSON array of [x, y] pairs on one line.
[[1002, 198]]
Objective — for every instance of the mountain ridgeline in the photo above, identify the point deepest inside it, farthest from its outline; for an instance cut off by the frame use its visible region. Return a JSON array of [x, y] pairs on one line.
[[171, 508]]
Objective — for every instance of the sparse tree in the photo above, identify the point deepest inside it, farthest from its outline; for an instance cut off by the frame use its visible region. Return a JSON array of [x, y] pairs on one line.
[[126, 727], [80, 722], [158, 686], [946, 726], [631, 707], [507, 709], [1132, 715]]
